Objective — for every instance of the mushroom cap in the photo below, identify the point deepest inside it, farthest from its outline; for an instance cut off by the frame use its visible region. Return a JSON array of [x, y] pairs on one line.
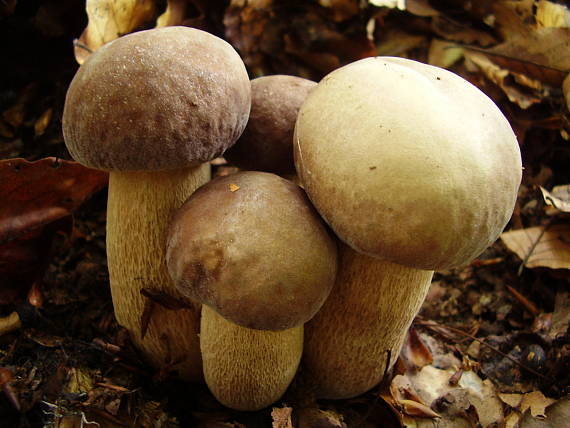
[[267, 141], [407, 162], [252, 247], [159, 99]]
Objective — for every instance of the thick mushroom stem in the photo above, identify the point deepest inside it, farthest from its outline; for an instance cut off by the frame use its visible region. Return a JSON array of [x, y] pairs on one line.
[[247, 369], [140, 205], [356, 336]]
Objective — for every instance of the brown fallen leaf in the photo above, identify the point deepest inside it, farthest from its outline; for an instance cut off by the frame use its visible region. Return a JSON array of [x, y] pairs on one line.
[[35, 194], [281, 417], [541, 246], [539, 52], [38, 199], [415, 354], [505, 79], [537, 403], [109, 20]]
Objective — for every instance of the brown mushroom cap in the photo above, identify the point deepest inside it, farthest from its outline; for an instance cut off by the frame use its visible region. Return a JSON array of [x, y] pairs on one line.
[[407, 162], [158, 99], [267, 141], [252, 247]]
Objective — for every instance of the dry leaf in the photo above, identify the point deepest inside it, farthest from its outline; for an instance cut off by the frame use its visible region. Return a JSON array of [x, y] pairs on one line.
[[174, 14], [443, 53], [109, 20], [233, 187], [415, 354], [559, 197], [37, 193], [537, 403], [43, 122], [540, 53], [513, 400], [501, 77], [540, 246], [281, 417], [432, 384], [549, 14], [557, 416]]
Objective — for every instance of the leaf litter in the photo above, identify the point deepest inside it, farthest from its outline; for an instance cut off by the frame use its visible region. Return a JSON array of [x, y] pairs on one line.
[[491, 344]]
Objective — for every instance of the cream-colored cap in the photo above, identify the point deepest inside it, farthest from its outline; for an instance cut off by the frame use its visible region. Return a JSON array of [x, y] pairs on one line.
[[407, 162]]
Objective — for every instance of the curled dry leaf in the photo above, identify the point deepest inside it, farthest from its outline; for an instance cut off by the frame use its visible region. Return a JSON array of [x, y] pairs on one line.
[[541, 246], [502, 78], [415, 354], [109, 20], [558, 198]]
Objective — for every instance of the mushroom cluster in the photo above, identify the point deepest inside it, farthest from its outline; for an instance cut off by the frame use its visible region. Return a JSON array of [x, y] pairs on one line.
[[153, 108], [414, 169]]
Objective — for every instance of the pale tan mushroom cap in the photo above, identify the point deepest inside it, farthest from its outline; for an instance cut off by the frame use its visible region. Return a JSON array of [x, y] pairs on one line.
[[407, 162], [252, 247], [157, 99]]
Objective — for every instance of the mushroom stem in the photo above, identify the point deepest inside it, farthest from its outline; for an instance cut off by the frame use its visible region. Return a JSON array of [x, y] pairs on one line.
[[357, 335], [140, 205], [247, 369]]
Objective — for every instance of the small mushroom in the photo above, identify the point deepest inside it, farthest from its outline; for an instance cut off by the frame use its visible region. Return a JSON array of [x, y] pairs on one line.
[[414, 169], [251, 248], [153, 108], [267, 142]]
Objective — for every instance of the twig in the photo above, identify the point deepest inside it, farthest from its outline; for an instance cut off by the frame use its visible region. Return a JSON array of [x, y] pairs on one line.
[[498, 351]]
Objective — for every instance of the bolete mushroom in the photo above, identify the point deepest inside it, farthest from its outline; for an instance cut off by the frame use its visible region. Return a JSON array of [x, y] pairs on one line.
[[415, 170], [252, 249], [153, 108], [267, 141]]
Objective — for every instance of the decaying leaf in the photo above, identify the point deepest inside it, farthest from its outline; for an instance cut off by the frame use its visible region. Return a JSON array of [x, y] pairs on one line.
[[452, 402], [503, 78], [110, 19], [559, 197], [541, 246], [282, 417], [35, 194], [37, 201], [557, 416], [540, 53], [550, 14], [415, 354], [537, 403]]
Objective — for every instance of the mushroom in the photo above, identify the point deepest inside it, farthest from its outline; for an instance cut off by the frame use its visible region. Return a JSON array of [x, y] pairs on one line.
[[252, 249], [153, 108], [415, 170], [267, 142]]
